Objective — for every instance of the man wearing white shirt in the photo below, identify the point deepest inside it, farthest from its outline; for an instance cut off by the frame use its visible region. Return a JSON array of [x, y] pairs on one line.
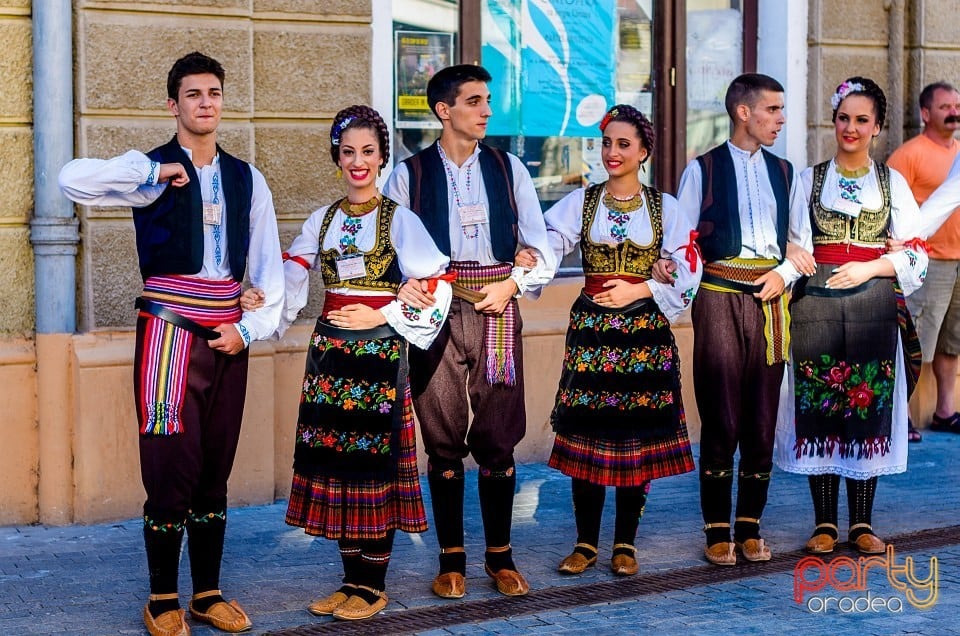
[[746, 204], [478, 203], [202, 218]]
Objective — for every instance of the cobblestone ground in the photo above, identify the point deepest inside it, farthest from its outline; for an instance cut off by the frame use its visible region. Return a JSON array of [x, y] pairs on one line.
[[92, 579]]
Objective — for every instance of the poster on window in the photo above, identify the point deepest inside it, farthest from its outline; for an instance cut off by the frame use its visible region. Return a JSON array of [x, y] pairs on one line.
[[714, 56], [419, 54], [553, 65]]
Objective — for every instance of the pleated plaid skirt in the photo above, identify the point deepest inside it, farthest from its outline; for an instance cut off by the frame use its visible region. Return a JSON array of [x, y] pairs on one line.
[[363, 509]]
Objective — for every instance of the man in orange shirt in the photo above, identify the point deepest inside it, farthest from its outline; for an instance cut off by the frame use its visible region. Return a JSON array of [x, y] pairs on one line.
[[925, 162]]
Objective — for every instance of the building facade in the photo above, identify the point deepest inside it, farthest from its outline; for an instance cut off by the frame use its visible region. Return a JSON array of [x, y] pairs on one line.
[[66, 340]]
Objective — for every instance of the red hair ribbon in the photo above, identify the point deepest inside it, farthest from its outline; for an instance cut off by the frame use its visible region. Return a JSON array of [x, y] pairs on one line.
[[916, 244], [299, 260], [691, 251], [432, 282], [606, 118]]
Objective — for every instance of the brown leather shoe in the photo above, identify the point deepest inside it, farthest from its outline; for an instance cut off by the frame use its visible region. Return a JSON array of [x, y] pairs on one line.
[[509, 582], [720, 553], [754, 550], [325, 606], [821, 544], [624, 565], [167, 624], [576, 562], [450, 585], [228, 617], [869, 543], [357, 609]]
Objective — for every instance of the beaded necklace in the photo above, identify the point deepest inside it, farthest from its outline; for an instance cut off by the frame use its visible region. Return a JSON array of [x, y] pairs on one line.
[[469, 231], [851, 182], [618, 214]]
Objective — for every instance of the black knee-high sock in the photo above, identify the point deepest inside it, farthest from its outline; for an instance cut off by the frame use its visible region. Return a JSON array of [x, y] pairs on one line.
[[496, 489], [350, 557], [716, 487], [162, 540], [860, 494], [825, 490], [205, 534], [630, 504], [373, 564], [751, 500], [587, 510], [446, 497]]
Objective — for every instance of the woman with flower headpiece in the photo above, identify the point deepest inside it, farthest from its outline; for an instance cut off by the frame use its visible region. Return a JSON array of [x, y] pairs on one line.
[[844, 409], [618, 415], [355, 467]]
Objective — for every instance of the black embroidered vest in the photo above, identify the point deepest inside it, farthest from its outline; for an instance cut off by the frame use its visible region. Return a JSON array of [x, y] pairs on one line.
[[170, 230], [428, 198], [627, 257], [719, 227], [382, 269], [831, 227]]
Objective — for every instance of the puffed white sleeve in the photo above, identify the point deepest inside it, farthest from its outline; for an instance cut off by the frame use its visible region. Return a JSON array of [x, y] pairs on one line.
[[532, 233], [419, 258], [910, 263], [799, 231], [130, 179], [679, 246], [264, 264], [298, 260], [564, 224]]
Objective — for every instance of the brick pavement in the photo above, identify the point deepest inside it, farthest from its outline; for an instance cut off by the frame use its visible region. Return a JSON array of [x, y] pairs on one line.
[[91, 580]]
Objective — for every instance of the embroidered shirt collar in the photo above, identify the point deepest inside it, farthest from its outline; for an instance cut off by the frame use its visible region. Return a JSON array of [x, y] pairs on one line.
[[189, 153], [753, 157]]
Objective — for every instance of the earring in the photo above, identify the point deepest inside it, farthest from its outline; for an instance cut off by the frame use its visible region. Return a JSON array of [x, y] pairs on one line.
[[380, 171], [339, 172]]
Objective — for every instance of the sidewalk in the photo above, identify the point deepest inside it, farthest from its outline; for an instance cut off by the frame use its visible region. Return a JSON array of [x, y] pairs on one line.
[[91, 580]]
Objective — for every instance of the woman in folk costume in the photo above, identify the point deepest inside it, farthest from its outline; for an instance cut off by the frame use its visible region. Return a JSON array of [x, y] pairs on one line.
[[355, 467], [843, 411], [618, 415]]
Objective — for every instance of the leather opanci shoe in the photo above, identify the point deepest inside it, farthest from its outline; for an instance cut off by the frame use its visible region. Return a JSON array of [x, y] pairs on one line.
[[509, 582], [326, 605], [356, 608], [225, 616], [869, 543], [754, 550], [170, 623], [624, 565], [450, 585], [576, 562], [720, 553]]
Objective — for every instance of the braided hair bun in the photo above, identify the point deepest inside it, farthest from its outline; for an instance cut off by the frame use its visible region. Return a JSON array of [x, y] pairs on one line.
[[629, 114], [861, 86], [359, 116]]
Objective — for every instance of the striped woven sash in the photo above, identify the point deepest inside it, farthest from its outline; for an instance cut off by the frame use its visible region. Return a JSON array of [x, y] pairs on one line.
[[166, 347], [498, 339], [738, 275]]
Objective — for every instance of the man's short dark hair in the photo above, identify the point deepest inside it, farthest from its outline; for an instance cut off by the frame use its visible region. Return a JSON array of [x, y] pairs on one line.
[[195, 63], [445, 85], [746, 89], [926, 95]]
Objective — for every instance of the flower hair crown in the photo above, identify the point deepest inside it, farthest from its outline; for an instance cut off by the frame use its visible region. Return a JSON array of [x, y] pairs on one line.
[[611, 114], [338, 130], [843, 90]]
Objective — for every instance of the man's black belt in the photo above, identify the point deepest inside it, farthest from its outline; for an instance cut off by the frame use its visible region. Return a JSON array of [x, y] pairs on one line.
[[161, 312], [746, 288]]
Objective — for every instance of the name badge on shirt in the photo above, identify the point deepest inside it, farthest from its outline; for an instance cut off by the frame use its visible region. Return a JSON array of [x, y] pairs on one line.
[[472, 214], [211, 213], [847, 207], [350, 267]]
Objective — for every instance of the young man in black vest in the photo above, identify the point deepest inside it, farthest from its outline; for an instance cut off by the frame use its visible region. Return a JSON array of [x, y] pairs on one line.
[[202, 217], [478, 203], [745, 204]]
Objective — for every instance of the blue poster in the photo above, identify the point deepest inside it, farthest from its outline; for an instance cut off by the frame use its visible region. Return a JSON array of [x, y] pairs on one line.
[[553, 65]]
